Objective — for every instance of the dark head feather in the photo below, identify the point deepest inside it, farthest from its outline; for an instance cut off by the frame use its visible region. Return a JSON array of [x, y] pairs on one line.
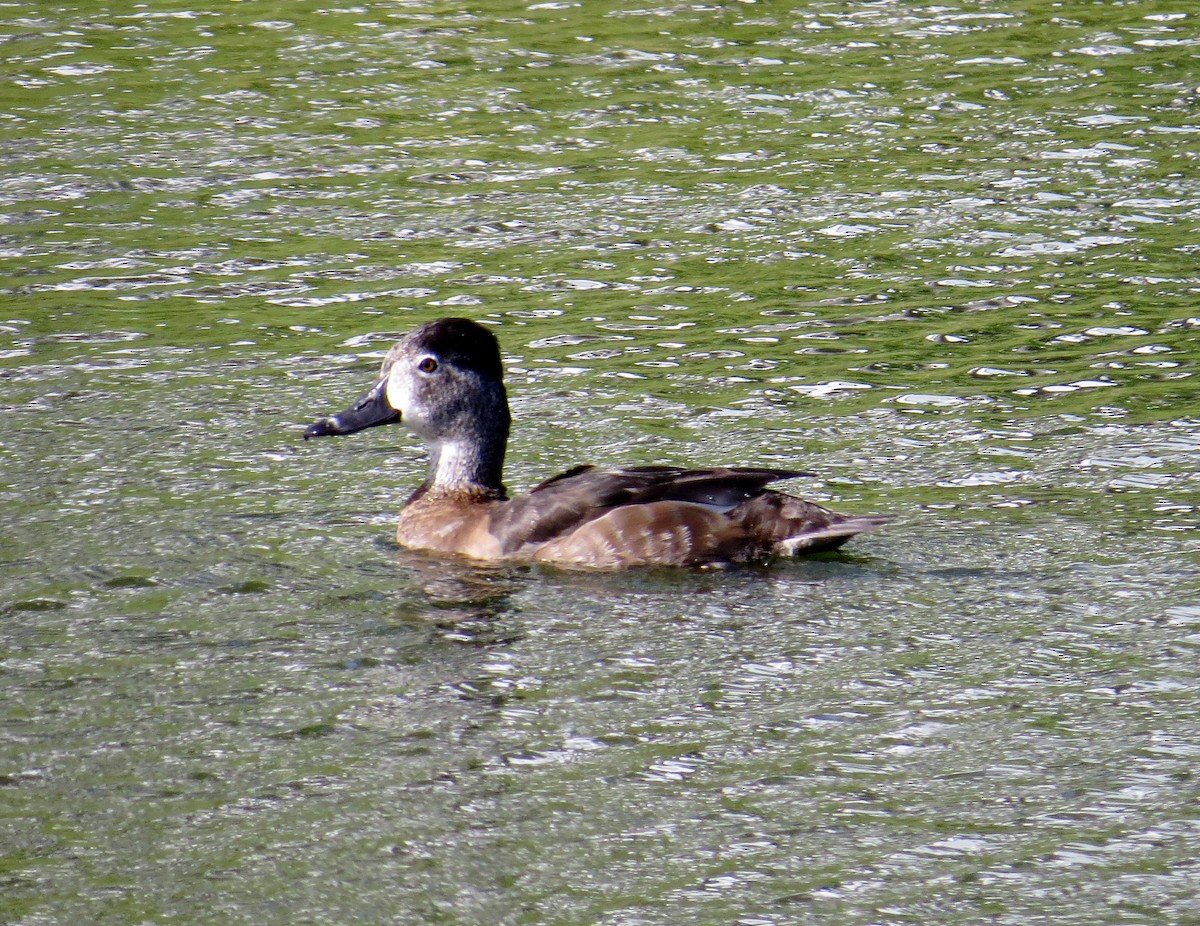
[[460, 341]]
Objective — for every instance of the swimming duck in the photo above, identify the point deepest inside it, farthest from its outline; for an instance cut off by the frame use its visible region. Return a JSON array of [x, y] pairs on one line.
[[445, 381]]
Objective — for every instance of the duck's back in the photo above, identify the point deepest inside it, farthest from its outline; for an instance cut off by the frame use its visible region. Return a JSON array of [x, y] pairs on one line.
[[666, 516]]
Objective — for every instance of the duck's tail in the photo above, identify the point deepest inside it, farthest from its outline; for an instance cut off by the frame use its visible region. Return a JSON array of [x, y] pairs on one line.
[[787, 525], [814, 539]]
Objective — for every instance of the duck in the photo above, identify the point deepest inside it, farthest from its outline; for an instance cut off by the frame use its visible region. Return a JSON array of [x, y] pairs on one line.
[[445, 381]]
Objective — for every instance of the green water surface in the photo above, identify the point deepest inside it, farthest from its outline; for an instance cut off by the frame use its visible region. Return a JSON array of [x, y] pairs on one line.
[[945, 256]]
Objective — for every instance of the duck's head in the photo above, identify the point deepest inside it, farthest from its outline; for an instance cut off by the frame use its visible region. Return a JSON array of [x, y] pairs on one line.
[[444, 380]]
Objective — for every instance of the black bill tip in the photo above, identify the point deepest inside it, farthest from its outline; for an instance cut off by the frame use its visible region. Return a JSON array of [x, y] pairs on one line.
[[323, 428], [348, 422], [371, 410]]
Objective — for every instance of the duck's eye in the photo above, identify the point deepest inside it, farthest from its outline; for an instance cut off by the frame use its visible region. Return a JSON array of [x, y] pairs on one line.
[[427, 365]]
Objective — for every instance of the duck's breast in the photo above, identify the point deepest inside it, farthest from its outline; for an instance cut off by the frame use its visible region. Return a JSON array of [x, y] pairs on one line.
[[448, 525]]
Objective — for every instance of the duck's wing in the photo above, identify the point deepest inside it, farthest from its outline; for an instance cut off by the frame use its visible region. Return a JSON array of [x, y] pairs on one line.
[[566, 502]]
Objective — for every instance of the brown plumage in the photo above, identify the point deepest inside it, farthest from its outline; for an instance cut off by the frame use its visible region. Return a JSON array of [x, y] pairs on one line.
[[445, 381]]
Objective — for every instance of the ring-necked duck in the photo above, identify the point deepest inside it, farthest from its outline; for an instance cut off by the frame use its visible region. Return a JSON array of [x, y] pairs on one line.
[[445, 381]]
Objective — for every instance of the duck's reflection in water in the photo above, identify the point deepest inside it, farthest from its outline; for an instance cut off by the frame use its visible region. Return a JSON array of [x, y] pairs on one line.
[[461, 601]]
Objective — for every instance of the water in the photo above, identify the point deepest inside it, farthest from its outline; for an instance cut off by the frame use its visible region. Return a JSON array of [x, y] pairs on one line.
[[943, 256]]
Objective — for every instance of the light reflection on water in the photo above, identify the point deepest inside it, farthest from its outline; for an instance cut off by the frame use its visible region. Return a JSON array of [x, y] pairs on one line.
[[943, 257]]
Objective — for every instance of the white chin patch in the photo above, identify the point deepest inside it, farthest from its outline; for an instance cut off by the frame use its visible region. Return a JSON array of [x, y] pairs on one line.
[[400, 398], [397, 395]]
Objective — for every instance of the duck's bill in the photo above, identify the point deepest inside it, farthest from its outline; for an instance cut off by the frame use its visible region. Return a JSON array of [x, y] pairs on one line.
[[370, 410]]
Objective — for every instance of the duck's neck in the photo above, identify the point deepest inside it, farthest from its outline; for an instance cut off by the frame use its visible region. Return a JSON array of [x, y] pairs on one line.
[[466, 441], [466, 467], [471, 462]]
